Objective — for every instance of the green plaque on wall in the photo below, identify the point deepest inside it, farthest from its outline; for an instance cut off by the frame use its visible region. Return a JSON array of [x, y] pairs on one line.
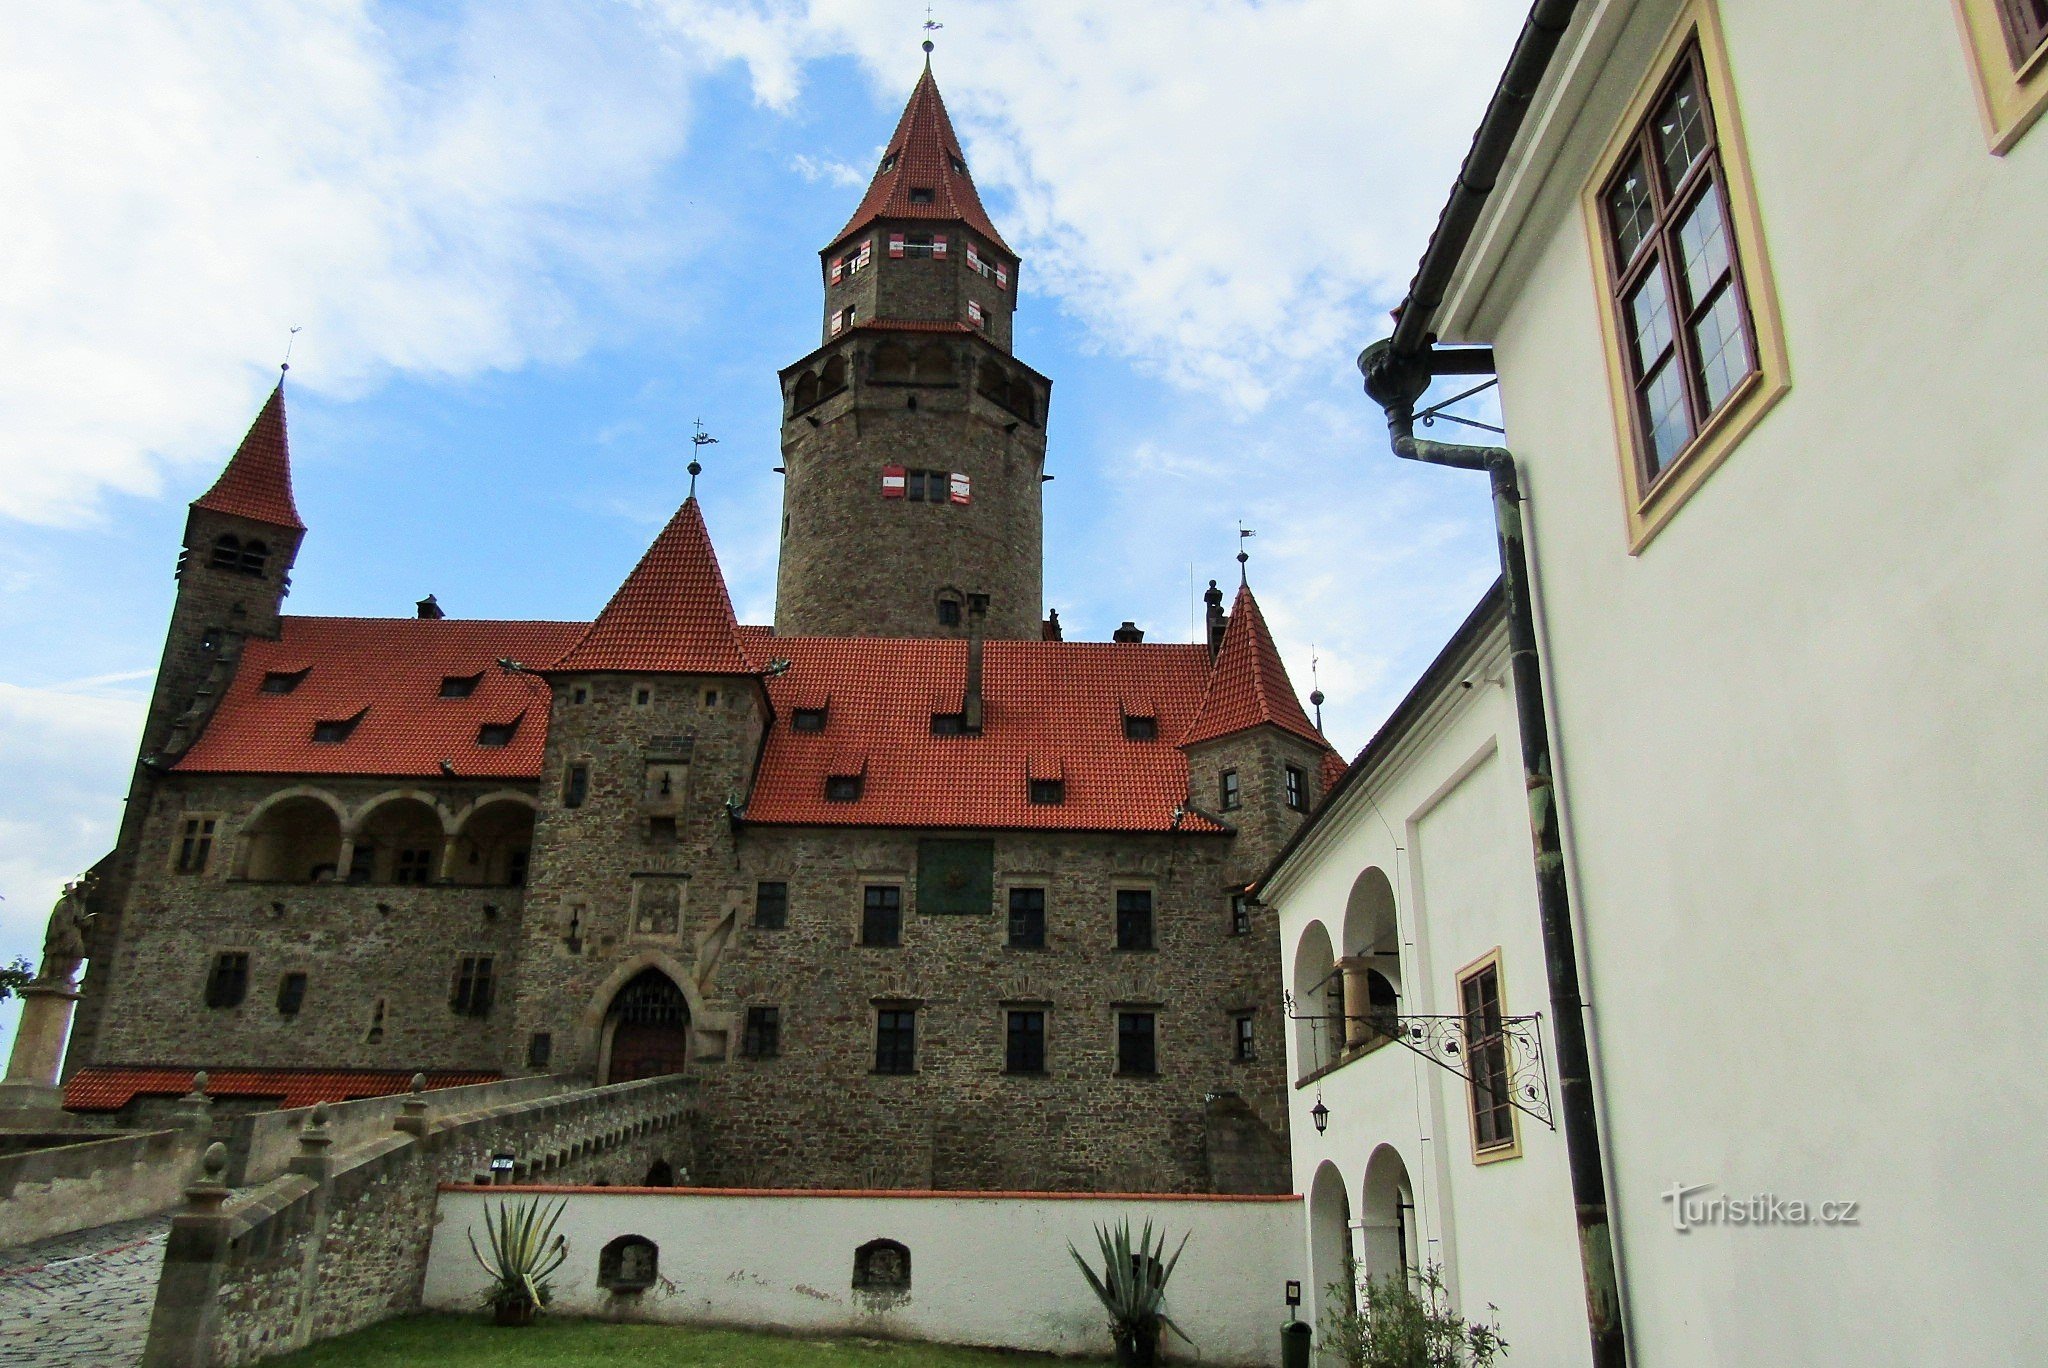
[[956, 877]]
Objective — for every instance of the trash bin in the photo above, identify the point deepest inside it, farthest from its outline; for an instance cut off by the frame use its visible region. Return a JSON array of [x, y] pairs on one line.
[[1296, 1339]]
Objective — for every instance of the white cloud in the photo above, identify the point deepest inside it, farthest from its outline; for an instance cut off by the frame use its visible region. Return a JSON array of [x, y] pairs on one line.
[[186, 180], [827, 169], [1219, 190]]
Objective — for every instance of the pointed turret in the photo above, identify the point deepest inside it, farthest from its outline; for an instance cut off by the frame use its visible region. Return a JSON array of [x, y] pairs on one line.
[[257, 483], [672, 615], [923, 173], [1249, 686]]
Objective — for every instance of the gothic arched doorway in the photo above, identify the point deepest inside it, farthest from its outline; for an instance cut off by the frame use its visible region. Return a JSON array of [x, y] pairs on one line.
[[649, 1025]]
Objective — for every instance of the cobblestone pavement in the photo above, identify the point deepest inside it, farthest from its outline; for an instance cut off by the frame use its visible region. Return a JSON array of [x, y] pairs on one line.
[[80, 1300]]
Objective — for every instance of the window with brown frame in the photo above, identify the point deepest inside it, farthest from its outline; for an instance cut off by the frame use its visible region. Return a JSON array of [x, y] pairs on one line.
[[1486, 1055], [1688, 342], [2026, 28]]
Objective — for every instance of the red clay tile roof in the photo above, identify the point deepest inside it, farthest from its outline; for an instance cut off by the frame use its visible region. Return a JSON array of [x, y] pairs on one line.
[[1051, 708], [1250, 687], [1333, 768], [672, 614], [110, 1087], [389, 670], [258, 481], [925, 151], [916, 325]]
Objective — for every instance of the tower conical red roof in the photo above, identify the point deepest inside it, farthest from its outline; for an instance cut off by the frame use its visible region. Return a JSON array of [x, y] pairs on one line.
[[924, 153], [671, 615], [1248, 687], [258, 481]]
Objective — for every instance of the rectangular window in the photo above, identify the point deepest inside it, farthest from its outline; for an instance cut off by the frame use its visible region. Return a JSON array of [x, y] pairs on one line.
[[1297, 789], [362, 862], [496, 734], [807, 720], [540, 1048], [412, 866], [195, 845], [1134, 919], [921, 194], [949, 724], [1027, 919], [1024, 1042], [1695, 350], [460, 686], [842, 788], [472, 994], [283, 681], [763, 1037], [1243, 1041], [1486, 1055], [1137, 1051], [881, 915], [1240, 914], [1046, 792], [896, 1040], [2008, 46], [515, 867], [2026, 28], [1231, 792], [291, 994], [227, 983], [335, 730], [575, 786], [1141, 729], [771, 905], [927, 486]]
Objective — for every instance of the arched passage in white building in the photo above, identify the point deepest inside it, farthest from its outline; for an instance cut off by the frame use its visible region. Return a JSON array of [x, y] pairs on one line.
[[1372, 957], [1329, 1243], [1386, 1218], [1318, 1002]]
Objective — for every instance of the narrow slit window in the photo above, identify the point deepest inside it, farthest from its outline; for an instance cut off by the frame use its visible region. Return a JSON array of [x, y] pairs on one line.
[[575, 786], [291, 994]]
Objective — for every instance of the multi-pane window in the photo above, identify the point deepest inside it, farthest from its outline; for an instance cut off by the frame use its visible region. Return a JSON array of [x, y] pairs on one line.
[[1243, 1041], [412, 866], [1133, 919], [1240, 914], [1686, 338], [575, 786], [227, 983], [771, 905], [291, 994], [763, 1037], [1024, 1041], [928, 486], [472, 994], [1486, 1053], [2026, 28], [1027, 919], [881, 915], [896, 1040], [195, 845], [1137, 1049], [1297, 789], [1232, 794]]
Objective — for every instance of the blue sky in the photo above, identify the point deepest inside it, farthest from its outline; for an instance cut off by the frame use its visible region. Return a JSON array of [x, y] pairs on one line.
[[529, 243]]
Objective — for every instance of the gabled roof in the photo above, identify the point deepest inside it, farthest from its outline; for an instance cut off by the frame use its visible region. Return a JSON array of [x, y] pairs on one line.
[[1249, 686], [389, 671], [923, 153], [672, 614], [258, 481], [1050, 709]]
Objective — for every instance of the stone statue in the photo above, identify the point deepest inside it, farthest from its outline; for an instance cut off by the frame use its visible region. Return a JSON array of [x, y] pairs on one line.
[[64, 942]]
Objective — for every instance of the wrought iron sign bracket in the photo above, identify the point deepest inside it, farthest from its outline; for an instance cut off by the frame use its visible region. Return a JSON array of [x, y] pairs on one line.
[[1442, 1041]]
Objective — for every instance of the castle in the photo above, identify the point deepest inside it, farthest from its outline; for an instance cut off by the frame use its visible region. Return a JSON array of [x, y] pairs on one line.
[[922, 895]]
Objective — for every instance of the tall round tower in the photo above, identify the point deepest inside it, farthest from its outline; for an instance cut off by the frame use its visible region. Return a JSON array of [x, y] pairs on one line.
[[913, 442]]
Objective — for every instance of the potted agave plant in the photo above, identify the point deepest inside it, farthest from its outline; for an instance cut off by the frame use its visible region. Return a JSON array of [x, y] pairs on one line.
[[524, 1254], [1132, 1288]]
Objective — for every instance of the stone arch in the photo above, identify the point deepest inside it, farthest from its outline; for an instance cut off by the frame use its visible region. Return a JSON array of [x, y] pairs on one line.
[[882, 1266], [1023, 400], [1330, 1265], [1386, 1218], [934, 364], [1318, 1001], [1372, 950], [631, 1263], [833, 378], [293, 836], [646, 1029], [594, 1025], [805, 392], [399, 836], [492, 841], [992, 381]]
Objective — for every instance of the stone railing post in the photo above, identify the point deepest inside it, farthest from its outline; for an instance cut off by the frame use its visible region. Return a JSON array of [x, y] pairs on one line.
[[412, 1113], [182, 1324]]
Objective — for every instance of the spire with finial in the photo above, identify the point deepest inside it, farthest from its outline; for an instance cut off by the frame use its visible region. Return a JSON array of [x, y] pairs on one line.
[[1315, 679], [1243, 556], [257, 483], [698, 442]]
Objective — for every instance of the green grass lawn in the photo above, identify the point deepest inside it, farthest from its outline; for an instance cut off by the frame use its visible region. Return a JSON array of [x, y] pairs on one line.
[[463, 1341]]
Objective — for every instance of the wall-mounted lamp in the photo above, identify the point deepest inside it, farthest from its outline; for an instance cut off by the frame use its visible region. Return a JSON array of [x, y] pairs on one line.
[[1320, 1114]]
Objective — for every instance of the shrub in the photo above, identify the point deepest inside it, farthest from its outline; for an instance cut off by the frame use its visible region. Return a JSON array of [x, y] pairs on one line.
[[1404, 1323]]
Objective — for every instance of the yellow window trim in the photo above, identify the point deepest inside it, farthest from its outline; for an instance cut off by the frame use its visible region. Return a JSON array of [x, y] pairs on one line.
[[1513, 1149], [2009, 100], [1648, 509]]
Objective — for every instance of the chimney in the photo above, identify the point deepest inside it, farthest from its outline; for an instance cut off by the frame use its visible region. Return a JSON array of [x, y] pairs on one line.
[[428, 609], [977, 624], [1217, 619], [1129, 633], [1050, 629]]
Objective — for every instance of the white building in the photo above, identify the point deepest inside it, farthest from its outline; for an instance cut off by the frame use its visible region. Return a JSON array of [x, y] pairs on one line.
[[1763, 281]]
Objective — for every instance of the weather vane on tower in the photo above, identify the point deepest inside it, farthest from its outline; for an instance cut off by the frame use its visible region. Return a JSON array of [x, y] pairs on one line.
[[931, 26], [1243, 556], [698, 442]]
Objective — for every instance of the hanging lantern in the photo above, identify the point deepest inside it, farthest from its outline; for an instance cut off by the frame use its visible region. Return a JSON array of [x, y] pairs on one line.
[[1321, 1115]]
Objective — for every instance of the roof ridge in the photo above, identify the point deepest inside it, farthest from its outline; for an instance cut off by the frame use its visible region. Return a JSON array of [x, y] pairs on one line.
[[1248, 685], [924, 144], [672, 615], [257, 481]]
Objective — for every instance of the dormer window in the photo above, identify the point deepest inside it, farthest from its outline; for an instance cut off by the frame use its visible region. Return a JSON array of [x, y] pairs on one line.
[[1141, 729], [807, 720], [843, 788], [496, 733], [922, 194], [959, 167], [888, 162], [460, 686], [1048, 791], [949, 724], [283, 681], [949, 611], [335, 730]]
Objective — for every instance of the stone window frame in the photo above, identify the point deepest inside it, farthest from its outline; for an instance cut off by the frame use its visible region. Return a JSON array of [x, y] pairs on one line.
[[206, 838], [1237, 906], [1004, 1010], [761, 1031], [473, 985], [640, 693], [576, 791], [1229, 791], [1008, 884], [899, 879], [1120, 886], [876, 1007], [781, 921], [640, 879], [220, 969], [1117, 1012], [1244, 1035], [2011, 86]]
